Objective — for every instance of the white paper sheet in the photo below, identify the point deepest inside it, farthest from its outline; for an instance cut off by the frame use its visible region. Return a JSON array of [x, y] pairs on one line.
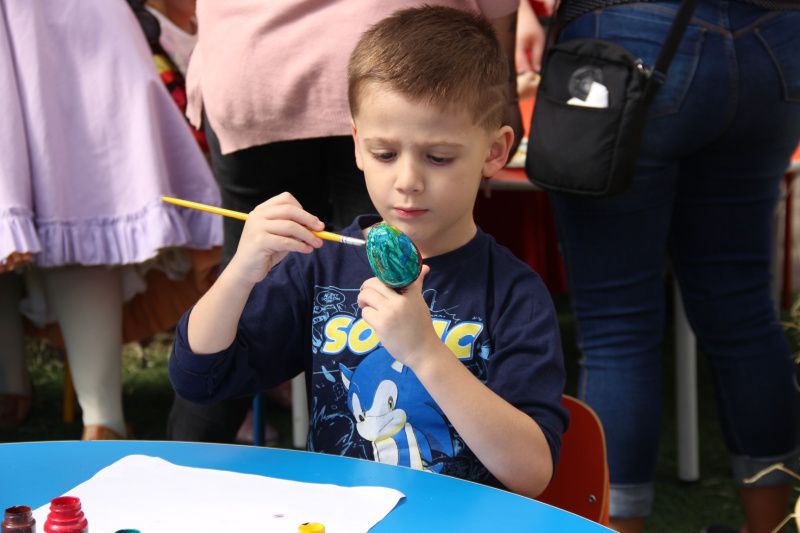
[[154, 496]]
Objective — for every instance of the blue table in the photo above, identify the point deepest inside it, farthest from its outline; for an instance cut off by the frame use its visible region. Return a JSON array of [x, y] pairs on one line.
[[33, 473]]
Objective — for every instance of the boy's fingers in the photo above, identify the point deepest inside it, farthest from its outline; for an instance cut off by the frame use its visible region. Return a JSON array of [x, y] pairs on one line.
[[286, 244], [285, 206], [370, 298], [422, 273], [288, 212], [291, 230], [376, 286], [282, 198]]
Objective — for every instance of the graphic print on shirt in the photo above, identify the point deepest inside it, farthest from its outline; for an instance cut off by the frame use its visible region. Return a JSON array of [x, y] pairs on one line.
[[391, 406], [375, 405]]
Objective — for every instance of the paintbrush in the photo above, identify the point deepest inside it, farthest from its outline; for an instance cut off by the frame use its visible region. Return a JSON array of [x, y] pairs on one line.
[[326, 235]]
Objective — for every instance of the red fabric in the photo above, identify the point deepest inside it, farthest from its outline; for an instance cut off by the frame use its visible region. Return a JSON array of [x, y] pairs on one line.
[[541, 9], [523, 222]]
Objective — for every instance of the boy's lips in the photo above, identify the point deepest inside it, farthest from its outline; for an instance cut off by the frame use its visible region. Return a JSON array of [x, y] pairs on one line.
[[409, 212]]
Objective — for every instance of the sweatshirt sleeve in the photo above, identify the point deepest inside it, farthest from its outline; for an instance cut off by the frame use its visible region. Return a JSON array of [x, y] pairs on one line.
[[527, 367], [268, 349]]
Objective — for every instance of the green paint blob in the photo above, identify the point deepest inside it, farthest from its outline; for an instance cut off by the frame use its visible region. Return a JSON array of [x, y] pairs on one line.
[[393, 257]]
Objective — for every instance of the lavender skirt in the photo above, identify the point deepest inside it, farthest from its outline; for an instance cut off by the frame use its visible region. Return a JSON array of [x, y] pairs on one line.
[[90, 140]]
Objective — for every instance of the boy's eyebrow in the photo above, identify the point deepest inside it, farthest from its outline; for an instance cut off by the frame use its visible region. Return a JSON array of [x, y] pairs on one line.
[[383, 140]]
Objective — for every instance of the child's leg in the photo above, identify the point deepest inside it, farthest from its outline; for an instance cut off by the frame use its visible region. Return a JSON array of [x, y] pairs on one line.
[[88, 305], [13, 374]]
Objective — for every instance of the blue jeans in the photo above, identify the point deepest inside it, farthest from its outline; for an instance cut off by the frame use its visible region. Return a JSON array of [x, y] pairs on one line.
[[717, 143]]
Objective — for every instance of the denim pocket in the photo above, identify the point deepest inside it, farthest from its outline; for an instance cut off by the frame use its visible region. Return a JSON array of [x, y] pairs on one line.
[[781, 37], [642, 30]]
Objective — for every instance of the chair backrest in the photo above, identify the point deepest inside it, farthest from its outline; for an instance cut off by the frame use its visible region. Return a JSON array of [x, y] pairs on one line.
[[580, 483]]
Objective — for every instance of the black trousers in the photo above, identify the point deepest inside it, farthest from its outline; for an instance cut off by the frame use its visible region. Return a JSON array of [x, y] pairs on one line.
[[322, 174]]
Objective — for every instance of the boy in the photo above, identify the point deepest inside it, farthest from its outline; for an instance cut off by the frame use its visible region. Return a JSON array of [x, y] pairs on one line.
[[462, 372]]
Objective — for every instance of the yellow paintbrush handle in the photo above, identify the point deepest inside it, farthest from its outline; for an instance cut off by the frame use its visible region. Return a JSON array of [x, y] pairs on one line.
[[326, 235], [205, 207]]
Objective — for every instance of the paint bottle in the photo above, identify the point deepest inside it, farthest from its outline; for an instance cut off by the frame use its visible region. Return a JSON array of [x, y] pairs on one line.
[[19, 519], [66, 516]]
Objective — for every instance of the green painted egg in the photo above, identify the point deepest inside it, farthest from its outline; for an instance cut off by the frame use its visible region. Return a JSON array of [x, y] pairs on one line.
[[393, 257]]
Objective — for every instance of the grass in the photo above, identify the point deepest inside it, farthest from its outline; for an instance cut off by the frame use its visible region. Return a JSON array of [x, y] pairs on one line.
[[679, 507]]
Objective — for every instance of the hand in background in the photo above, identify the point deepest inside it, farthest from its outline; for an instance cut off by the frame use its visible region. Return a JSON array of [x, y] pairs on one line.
[[530, 40]]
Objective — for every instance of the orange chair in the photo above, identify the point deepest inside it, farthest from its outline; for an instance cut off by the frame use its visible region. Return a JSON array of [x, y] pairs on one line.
[[580, 484]]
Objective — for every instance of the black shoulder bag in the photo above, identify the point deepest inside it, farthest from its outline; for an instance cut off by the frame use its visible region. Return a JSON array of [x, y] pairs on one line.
[[591, 108]]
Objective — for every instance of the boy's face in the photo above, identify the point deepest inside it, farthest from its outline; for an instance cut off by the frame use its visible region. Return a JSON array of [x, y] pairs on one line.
[[423, 166]]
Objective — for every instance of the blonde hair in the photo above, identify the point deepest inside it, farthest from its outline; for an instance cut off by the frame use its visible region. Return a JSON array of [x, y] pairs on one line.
[[437, 55]]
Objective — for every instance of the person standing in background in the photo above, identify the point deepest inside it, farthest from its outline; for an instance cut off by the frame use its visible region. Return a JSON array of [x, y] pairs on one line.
[[719, 137], [170, 28], [268, 84], [91, 141]]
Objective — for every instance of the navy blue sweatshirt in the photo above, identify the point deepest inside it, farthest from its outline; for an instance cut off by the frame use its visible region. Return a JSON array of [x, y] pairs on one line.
[[489, 308]]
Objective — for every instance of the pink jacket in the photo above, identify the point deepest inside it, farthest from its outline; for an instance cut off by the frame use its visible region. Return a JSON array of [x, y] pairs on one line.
[[267, 71]]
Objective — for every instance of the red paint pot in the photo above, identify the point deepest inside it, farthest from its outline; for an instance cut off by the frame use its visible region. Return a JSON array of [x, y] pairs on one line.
[[66, 516]]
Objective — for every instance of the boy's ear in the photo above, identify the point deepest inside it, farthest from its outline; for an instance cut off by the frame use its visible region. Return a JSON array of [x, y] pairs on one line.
[[502, 139], [359, 159]]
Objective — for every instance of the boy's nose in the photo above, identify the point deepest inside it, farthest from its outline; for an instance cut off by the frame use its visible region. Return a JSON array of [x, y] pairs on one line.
[[409, 178]]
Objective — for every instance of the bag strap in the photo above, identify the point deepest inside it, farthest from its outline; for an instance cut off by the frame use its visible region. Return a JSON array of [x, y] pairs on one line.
[[658, 74]]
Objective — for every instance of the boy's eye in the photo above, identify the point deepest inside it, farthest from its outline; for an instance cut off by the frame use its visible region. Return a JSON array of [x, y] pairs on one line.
[[438, 160], [384, 157]]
